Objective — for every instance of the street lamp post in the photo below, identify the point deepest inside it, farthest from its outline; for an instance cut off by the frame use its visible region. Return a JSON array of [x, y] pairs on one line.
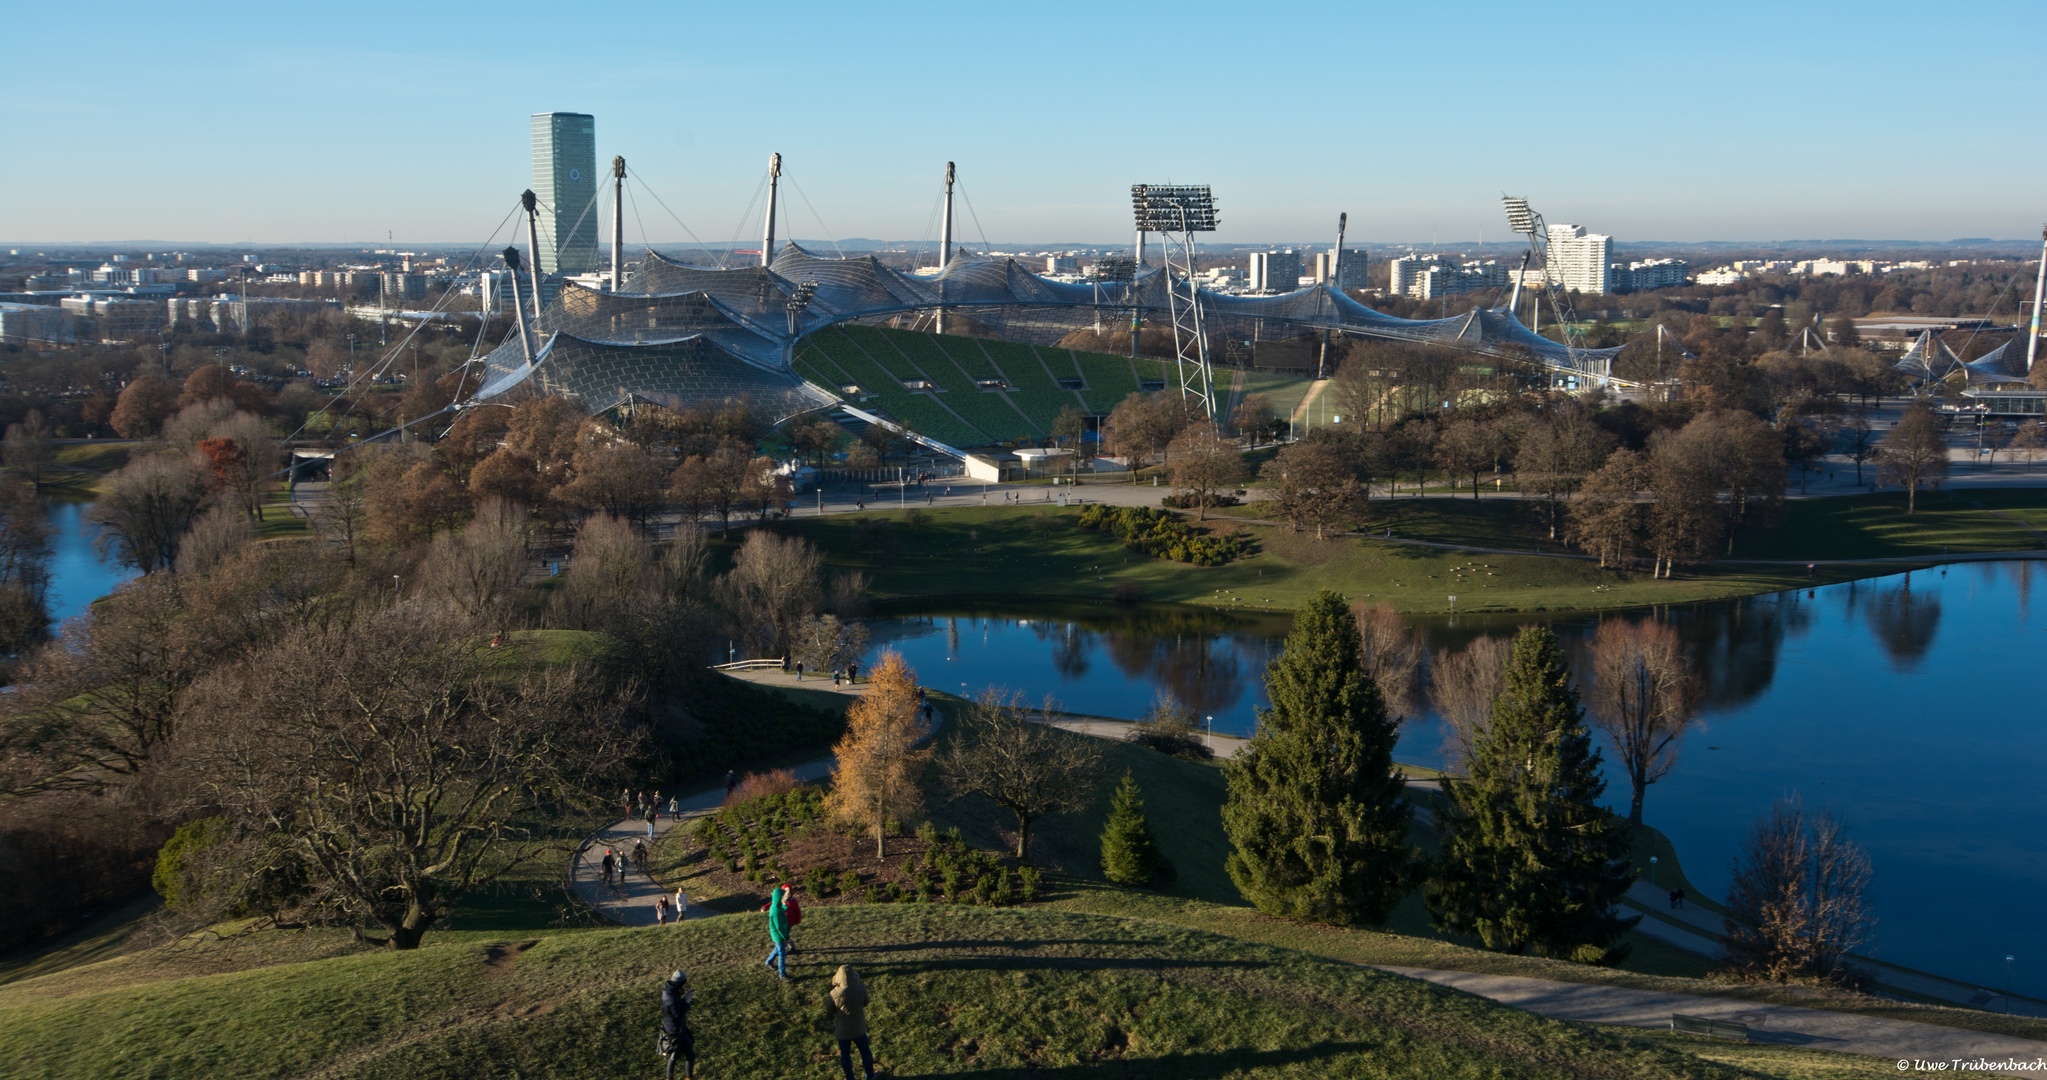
[[1652, 871], [1211, 735], [2007, 984]]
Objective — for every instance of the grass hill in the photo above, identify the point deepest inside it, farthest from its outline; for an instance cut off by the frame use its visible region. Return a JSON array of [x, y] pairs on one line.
[[976, 391], [966, 992]]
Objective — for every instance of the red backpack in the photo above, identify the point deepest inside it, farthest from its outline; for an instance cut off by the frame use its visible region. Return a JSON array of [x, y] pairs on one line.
[[795, 913]]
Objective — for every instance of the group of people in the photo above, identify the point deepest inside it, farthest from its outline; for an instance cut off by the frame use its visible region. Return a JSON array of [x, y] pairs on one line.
[[846, 1001], [614, 864], [642, 805]]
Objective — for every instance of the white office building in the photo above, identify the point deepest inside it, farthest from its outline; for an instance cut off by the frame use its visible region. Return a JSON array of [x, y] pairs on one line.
[[1651, 274], [1578, 258], [1275, 271]]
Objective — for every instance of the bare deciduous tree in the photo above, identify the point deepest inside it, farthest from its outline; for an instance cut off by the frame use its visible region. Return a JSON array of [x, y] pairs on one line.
[[1316, 483], [1643, 697], [1913, 455], [773, 583], [396, 765], [28, 451], [1205, 463], [1003, 752], [824, 643], [1391, 653], [477, 570], [1798, 901], [1463, 685], [146, 508]]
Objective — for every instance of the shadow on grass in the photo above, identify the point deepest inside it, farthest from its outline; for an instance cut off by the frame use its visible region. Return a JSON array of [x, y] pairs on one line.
[[1177, 1066]]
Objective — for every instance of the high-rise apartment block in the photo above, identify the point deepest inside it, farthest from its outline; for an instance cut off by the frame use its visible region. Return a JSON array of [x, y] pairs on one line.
[[1353, 267], [1578, 259], [1276, 271], [1652, 274], [1430, 276], [565, 178]]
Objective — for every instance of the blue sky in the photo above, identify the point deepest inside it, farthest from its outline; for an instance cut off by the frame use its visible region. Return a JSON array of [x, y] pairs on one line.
[[1732, 121]]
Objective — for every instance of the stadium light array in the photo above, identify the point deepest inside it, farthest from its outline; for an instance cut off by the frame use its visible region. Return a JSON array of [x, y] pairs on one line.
[[1164, 208], [1113, 268], [1520, 217]]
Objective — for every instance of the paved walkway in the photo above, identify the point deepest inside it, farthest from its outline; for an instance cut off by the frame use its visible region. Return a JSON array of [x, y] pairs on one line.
[[631, 903], [1783, 1025]]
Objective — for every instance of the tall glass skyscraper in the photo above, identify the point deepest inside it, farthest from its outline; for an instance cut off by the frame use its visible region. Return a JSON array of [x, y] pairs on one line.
[[565, 178]]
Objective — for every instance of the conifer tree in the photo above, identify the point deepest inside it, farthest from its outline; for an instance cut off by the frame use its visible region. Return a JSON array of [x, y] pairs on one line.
[[1130, 856], [1531, 860], [1315, 813]]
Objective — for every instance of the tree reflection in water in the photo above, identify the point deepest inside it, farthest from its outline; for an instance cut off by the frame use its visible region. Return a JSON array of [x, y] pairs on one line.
[[1904, 621]]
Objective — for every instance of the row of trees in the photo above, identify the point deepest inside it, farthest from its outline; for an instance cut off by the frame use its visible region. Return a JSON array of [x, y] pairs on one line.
[[1529, 860]]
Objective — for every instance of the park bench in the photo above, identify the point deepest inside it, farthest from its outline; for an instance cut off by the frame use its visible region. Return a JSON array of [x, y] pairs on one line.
[[1715, 1029]]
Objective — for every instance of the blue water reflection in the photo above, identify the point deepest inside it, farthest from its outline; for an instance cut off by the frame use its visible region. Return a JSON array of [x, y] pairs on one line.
[[78, 575], [1911, 703]]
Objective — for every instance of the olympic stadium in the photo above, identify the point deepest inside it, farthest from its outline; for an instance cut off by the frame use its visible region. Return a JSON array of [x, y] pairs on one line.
[[805, 332]]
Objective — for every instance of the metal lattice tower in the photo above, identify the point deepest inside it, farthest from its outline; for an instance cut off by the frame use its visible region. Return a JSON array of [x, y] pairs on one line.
[[1522, 218], [1176, 212]]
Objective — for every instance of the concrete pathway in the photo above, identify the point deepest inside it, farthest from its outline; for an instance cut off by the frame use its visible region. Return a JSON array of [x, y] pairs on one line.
[[631, 901], [1783, 1025]]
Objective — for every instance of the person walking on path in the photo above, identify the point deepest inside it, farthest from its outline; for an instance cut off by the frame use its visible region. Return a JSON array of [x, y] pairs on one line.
[[676, 1040], [681, 904], [778, 935], [661, 910], [792, 908], [731, 781], [848, 1005], [608, 864]]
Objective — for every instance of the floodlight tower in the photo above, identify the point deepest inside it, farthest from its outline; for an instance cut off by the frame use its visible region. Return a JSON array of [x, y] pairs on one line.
[[1181, 210], [1523, 219]]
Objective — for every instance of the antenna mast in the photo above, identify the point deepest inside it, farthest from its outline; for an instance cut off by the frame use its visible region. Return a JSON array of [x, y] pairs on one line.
[[774, 190], [617, 224]]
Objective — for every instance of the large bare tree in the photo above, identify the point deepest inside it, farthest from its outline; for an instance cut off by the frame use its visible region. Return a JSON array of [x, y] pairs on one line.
[[1206, 462], [774, 582], [1643, 696], [1391, 653], [1798, 903], [1005, 752], [146, 507], [1463, 684], [1913, 455], [398, 763]]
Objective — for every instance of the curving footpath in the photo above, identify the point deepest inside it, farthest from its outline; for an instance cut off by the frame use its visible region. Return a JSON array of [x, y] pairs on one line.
[[1781, 1025]]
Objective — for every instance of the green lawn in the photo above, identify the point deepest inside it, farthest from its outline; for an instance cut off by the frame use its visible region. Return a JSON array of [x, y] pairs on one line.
[[996, 554], [957, 991]]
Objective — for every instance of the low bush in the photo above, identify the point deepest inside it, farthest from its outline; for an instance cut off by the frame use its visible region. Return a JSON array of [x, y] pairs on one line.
[[1212, 500], [1161, 535], [761, 786]]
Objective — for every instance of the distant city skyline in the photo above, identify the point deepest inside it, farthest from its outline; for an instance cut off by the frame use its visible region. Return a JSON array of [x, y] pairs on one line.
[[1750, 123]]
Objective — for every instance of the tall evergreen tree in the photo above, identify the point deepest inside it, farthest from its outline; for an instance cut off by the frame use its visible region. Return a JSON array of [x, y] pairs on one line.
[[1532, 861], [1315, 810], [1130, 854]]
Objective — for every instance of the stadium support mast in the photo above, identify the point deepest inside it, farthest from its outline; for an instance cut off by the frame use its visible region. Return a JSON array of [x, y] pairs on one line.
[[617, 224], [2039, 283], [532, 204], [945, 244], [774, 191], [1182, 210], [518, 310], [1336, 257]]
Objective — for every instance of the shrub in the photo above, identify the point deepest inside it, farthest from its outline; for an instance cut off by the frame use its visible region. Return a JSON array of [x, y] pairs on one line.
[[706, 832], [1213, 499], [1032, 881], [927, 832], [1162, 535], [762, 785], [753, 862], [731, 864], [954, 878], [193, 837], [895, 892], [927, 891], [849, 883], [816, 881], [1004, 893], [984, 889]]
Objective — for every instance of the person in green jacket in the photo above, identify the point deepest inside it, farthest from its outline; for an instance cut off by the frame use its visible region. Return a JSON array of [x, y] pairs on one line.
[[778, 933], [848, 1005]]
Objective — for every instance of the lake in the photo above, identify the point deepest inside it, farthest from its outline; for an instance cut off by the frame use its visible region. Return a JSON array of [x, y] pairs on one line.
[[1910, 703], [78, 575]]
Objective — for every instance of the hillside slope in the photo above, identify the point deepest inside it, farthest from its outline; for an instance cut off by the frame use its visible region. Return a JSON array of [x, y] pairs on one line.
[[957, 991]]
